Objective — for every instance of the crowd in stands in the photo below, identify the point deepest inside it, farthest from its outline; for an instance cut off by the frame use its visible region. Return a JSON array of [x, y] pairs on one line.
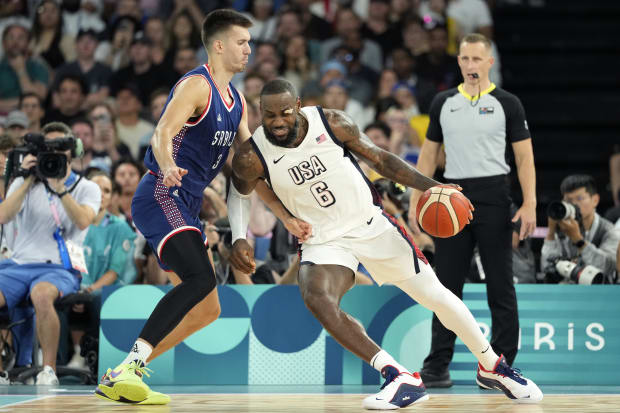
[[106, 67]]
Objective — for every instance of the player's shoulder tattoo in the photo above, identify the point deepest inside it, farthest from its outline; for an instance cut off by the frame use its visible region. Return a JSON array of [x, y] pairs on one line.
[[342, 124]]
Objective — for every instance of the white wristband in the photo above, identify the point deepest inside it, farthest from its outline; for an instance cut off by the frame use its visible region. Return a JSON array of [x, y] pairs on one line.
[[238, 213]]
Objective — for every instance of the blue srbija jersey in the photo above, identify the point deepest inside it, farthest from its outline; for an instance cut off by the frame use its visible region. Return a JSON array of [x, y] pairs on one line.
[[202, 144]]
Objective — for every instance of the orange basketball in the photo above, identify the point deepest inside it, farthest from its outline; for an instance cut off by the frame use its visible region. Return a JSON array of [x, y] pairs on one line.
[[443, 211]]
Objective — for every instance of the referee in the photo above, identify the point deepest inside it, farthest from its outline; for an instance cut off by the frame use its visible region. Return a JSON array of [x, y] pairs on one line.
[[475, 121]]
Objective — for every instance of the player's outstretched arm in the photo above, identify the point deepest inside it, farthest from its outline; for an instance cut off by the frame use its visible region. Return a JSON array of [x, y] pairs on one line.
[[385, 163], [190, 97]]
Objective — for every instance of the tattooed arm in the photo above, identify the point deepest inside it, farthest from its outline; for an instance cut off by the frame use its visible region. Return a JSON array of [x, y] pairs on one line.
[[385, 163]]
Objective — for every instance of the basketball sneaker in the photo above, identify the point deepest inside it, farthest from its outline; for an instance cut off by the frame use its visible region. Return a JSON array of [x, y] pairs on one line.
[[398, 390], [153, 398], [124, 383], [510, 381]]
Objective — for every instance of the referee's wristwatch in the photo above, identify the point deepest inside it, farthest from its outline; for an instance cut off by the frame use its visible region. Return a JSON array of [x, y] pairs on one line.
[[579, 243]]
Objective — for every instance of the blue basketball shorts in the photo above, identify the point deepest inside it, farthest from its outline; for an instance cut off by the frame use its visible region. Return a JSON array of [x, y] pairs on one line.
[[18, 280], [160, 212]]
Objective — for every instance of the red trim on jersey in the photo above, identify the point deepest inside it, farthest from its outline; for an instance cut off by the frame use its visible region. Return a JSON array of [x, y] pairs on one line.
[[229, 107], [208, 105]]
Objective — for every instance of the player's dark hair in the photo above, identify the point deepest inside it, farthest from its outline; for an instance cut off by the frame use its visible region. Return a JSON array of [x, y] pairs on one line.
[[277, 86], [573, 182], [219, 20]]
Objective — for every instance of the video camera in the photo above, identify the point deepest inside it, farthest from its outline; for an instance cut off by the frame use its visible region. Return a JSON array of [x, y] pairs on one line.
[[51, 161]]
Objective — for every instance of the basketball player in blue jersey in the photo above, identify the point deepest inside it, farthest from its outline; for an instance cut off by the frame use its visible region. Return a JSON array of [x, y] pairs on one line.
[[202, 118], [305, 156]]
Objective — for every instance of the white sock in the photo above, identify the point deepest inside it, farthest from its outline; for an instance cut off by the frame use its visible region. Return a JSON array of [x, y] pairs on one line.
[[382, 359], [426, 289], [76, 349], [140, 351], [487, 358]]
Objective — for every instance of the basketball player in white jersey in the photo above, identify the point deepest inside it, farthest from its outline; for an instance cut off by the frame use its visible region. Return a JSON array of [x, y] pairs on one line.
[[304, 154]]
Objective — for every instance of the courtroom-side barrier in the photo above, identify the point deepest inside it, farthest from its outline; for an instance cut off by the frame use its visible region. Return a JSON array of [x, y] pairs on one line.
[[570, 334]]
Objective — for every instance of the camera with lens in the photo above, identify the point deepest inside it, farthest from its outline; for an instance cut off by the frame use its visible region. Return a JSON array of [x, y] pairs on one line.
[[51, 159], [559, 210], [579, 272], [395, 191]]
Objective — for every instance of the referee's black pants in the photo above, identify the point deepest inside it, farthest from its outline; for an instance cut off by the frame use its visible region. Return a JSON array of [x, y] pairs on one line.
[[491, 229]]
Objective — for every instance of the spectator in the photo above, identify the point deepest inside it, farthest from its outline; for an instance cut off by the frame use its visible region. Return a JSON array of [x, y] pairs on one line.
[[296, 65], [126, 173], [593, 240], [107, 148], [96, 74], [32, 105], [36, 268], [142, 72], [71, 94], [415, 38], [336, 96], [48, 39], [19, 73], [348, 28], [184, 61], [263, 21], [6, 145], [387, 81], [115, 54], [313, 26], [378, 28], [266, 52], [363, 77], [252, 85], [405, 96], [155, 30], [82, 129], [157, 103], [404, 65], [437, 65], [404, 140], [183, 32], [16, 126], [129, 8], [129, 126], [471, 16], [289, 26], [87, 17], [108, 251]]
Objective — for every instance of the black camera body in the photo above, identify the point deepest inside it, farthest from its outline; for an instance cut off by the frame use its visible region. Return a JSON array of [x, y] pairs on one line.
[[51, 159]]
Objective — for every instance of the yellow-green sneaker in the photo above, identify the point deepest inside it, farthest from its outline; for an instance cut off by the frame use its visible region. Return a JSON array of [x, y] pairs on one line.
[[124, 383], [156, 398]]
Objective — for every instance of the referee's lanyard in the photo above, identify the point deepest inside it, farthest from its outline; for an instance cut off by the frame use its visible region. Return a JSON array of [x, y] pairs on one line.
[[62, 247]]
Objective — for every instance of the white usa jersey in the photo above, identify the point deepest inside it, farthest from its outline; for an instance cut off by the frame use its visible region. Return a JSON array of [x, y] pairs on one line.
[[319, 181]]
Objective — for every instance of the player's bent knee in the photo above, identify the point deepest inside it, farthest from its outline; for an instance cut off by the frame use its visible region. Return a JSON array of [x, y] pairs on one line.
[[204, 313], [319, 304]]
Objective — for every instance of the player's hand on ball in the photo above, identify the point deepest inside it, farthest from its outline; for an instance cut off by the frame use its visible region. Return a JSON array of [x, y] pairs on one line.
[[471, 206], [173, 176], [242, 257], [301, 229]]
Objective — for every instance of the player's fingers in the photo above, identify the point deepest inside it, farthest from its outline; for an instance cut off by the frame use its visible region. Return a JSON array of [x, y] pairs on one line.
[[183, 171], [516, 217]]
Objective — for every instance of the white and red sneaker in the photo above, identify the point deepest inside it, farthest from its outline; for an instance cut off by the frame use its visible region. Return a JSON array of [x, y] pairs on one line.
[[398, 390], [510, 381]]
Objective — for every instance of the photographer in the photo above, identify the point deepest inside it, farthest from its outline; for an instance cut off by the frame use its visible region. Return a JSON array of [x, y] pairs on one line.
[[52, 207], [579, 235]]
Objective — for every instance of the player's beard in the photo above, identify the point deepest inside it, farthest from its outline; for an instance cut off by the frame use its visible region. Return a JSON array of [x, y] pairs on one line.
[[290, 137]]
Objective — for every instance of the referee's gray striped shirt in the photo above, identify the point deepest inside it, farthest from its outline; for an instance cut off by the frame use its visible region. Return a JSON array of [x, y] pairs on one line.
[[475, 130]]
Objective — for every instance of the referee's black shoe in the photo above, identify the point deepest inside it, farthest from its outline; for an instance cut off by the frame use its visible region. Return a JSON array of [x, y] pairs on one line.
[[436, 379]]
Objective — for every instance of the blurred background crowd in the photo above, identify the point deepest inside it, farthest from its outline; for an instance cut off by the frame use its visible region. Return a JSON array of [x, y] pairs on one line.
[[105, 68]]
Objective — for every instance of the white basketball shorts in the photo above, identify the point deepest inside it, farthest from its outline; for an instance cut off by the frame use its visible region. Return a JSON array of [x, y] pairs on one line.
[[381, 245]]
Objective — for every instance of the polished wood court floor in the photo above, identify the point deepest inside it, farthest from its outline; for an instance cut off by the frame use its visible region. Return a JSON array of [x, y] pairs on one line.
[[472, 400]]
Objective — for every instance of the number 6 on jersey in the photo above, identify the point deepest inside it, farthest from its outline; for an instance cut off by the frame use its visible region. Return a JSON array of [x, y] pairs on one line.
[[322, 195]]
